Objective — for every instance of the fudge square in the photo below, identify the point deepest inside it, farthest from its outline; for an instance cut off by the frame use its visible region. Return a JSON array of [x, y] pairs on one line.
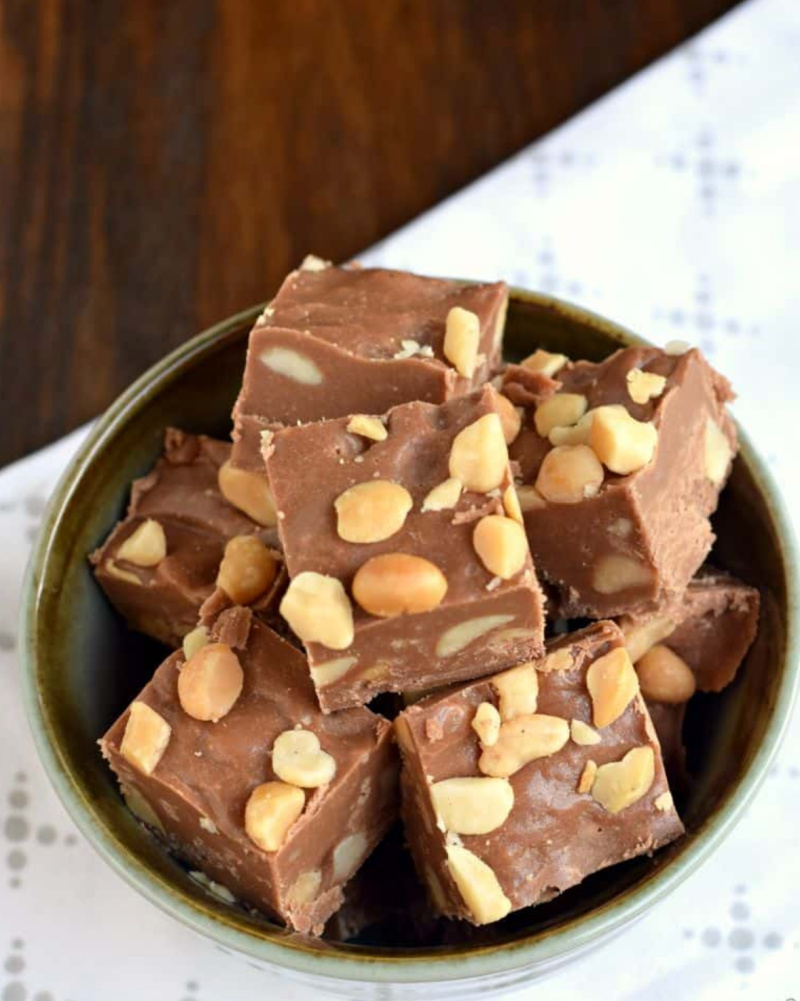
[[163, 560], [620, 465], [227, 757], [337, 341], [408, 565], [518, 786]]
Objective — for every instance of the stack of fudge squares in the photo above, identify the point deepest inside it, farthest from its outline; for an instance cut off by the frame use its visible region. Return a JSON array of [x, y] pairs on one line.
[[404, 518]]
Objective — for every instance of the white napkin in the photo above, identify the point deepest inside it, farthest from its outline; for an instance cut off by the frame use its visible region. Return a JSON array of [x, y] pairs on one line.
[[672, 206]]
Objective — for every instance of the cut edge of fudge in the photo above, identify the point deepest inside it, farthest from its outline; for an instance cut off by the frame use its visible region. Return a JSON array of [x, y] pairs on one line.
[[598, 757]]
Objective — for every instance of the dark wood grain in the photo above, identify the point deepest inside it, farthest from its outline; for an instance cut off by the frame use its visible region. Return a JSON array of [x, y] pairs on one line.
[[164, 164]]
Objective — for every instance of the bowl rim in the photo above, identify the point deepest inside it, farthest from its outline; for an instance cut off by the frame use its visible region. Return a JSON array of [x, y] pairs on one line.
[[358, 963]]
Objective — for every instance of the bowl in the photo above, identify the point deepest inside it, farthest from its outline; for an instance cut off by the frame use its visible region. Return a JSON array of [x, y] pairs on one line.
[[81, 667]]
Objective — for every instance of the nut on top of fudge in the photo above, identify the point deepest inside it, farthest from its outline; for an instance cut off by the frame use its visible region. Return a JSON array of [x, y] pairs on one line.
[[227, 757], [181, 538], [336, 341], [518, 786], [620, 465], [407, 560]]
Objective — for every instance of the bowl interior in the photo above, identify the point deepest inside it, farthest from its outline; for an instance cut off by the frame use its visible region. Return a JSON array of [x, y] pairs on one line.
[[84, 666]]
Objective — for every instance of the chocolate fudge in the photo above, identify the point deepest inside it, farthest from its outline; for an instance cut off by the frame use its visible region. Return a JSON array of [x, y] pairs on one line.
[[518, 786], [339, 341], [163, 560], [407, 560], [227, 757], [620, 464], [693, 642]]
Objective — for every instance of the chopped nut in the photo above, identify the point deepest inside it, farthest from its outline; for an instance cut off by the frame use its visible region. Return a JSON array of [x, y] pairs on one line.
[[544, 362], [664, 676], [318, 610], [305, 888], [663, 803], [397, 584], [208, 825], [511, 504], [146, 546], [140, 807], [517, 690], [461, 339], [145, 738], [270, 811], [582, 734], [298, 758], [580, 433], [561, 410], [529, 498], [718, 453], [249, 492], [556, 660], [194, 641], [644, 386], [486, 723], [478, 885], [247, 570], [522, 740], [479, 456], [675, 348], [619, 784], [458, 637], [640, 636], [444, 496], [292, 365], [614, 573], [372, 511], [612, 684], [331, 670], [569, 474], [501, 545], [313, 263], [120, 574], [210, 683], [368, 427], [623, 444], [347, 856], [510, 418], [587, 776], [472, 805], [210, 886]]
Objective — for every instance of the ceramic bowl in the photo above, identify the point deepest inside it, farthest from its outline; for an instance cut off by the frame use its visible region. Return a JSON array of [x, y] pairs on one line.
[[81, 668]]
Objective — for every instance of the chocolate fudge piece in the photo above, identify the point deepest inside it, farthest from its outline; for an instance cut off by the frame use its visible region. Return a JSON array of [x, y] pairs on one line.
[[620, 465], [228, 758], [518, 786], [337, 341], [162, 561], [407, 560]]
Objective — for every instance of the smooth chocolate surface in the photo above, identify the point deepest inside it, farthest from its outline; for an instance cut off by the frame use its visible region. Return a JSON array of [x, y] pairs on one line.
[[195, 798], [657, 517], [182, 495], [337, 341], [554, 835], [482, 624]]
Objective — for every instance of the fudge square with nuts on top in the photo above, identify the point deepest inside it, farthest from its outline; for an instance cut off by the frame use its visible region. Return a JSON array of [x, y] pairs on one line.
[[621, 464], [518, 786], [227, 756], [179, 537], [336, 341], [407, 560]]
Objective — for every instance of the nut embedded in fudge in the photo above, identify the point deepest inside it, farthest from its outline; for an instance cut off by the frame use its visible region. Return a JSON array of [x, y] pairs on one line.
[[337, 341], [518, 786], [408, 564], [229, 759], [696, 641], [178, 537], [620, 465]]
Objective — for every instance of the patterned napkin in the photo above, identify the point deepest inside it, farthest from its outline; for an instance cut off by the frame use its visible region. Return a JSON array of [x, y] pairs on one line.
[[672, 206]]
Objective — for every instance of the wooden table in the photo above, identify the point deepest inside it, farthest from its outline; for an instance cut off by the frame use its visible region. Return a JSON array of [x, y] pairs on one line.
[[163, 164]]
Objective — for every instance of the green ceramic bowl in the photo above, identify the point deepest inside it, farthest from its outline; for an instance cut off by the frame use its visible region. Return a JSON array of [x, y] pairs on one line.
[[81, 668]]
